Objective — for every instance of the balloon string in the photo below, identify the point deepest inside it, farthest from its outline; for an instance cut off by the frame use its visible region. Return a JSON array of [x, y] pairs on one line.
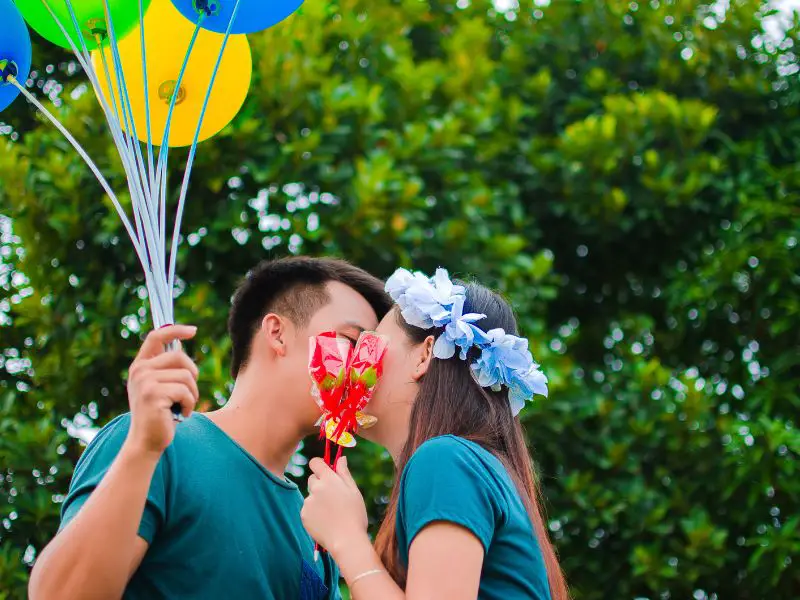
[[133, 168], [162, 190], [126, 165], [152, 170], [143, 196], [79, 149], [163, 151], [162, 173], [116, 132], [84, 59], [141, 216], [125, 101], [132, 181], [122, 110], [190, 161], [154, 282], [85, 62]]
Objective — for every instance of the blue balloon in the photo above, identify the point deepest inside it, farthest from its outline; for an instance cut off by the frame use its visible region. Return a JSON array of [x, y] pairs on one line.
[[15, 51], [252, 16]]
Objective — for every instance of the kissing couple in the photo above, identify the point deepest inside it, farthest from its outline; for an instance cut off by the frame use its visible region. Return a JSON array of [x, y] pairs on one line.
[[201, 508]]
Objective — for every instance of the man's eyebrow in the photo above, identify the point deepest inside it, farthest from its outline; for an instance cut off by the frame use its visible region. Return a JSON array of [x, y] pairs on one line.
[[353, 325]]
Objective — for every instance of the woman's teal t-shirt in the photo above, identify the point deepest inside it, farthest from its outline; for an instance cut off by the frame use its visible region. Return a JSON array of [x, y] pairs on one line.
[[454, 480]]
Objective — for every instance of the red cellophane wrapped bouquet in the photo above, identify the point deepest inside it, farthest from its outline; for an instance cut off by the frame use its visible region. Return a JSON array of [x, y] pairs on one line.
[[344, 381]]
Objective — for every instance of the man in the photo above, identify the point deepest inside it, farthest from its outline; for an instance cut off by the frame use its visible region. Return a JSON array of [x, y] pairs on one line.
[[201, 509]]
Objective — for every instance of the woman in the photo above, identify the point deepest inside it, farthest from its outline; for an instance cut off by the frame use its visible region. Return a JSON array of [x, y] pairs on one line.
[[463, 520]]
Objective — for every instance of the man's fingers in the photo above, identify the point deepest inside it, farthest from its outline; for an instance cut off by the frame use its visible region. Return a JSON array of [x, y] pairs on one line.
[[319, 468], [182, 376], [156, 341], [180, 394], [173, 360]]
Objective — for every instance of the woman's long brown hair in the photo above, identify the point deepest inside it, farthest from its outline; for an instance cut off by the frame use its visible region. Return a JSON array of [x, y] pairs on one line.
[[450, 401]]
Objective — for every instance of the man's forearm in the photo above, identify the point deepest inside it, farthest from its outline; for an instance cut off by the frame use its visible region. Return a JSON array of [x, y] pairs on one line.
[[95, 555]]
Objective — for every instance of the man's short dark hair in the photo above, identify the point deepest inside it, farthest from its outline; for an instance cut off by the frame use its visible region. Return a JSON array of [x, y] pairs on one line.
[[295, 288]]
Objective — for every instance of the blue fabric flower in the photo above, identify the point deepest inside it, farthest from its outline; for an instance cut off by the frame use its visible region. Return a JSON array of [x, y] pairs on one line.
[[524, 385], [507, 361], [504, 359], [460, 332], [424, 302]]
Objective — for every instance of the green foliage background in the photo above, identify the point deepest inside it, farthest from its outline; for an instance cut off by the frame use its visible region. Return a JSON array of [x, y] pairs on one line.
[[626, 173]]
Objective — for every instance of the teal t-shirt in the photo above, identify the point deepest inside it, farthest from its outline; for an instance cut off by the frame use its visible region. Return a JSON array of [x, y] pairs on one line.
[[454, 480], [218, 523]]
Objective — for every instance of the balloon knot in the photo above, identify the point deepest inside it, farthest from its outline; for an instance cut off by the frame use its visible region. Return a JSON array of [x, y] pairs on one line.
[[209, 8], [97, 28], [8, 68], [167, 89]]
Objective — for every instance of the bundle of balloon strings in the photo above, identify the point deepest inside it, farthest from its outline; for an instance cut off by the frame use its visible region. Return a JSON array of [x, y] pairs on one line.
[[166, 73]]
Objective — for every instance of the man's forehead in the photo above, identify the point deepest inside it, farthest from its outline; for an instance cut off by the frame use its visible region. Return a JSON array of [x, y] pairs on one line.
[[345, 318], [348, 308], [333, 321]]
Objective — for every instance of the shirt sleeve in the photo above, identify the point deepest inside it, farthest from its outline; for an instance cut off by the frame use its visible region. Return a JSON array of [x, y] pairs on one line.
[[95, 462], [445, 481]]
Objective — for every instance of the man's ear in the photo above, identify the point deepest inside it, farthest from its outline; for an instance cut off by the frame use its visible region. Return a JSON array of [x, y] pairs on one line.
[[274, 329], [424, 358]]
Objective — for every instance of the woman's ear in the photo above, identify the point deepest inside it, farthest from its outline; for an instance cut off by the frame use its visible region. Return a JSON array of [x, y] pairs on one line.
[[273, 329], [424, 357]]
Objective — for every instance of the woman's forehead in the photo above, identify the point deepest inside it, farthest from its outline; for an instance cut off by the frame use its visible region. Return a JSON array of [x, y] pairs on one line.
[[389, 322]]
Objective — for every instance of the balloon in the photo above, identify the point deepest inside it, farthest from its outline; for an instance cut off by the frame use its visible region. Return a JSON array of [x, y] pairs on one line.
[[15, 51], [252, 16], [167, 38], [91, 17]]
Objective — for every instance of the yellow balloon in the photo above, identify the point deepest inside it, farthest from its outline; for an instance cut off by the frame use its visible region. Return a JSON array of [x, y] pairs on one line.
[[167, 38]]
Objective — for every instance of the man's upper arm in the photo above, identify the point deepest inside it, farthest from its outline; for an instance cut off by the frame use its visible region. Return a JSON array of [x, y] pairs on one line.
[[95, 463]]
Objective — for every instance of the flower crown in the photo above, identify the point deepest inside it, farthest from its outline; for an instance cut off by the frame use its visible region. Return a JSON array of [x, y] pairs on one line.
[[504, 360]]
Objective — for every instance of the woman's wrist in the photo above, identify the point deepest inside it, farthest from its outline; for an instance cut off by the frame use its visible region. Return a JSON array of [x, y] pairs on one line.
[[356, 556]]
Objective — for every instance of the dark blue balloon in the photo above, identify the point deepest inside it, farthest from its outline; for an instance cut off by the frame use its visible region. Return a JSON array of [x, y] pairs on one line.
[[15, 51], [252, 16]]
